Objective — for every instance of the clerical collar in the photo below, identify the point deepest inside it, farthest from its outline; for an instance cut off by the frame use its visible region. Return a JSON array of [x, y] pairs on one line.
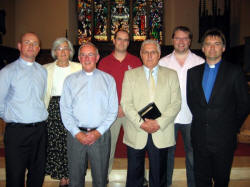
[[89, 73], [26, 62], [213, 65]]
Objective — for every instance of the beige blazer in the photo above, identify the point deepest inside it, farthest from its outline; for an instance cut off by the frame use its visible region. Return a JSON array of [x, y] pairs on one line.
[[135, 96], [74, 67]]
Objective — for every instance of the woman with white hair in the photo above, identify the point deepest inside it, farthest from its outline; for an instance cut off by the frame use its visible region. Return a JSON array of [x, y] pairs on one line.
[[57, 163]]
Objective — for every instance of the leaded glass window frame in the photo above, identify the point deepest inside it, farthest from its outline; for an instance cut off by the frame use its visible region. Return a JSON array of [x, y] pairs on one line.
[[98, 20]]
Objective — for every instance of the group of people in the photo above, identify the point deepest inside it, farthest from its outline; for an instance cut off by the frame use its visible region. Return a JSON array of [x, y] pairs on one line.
[[65, 115]]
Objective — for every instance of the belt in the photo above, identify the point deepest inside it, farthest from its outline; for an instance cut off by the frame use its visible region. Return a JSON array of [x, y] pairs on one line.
[[87, 129], [37, 124], [55, 97]]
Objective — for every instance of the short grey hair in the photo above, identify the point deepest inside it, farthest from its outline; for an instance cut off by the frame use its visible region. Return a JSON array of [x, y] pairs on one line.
[[150, 41], [88, 44], [57, 43]]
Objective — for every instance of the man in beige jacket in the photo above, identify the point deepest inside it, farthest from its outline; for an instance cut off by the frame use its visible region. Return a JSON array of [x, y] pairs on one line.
[[151, 136]]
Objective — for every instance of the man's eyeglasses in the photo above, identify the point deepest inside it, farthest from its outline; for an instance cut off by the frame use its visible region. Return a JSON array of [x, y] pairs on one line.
[[62, 49], [34, 44], [151, 53], [87, 55], [181, 39], [121, 39]]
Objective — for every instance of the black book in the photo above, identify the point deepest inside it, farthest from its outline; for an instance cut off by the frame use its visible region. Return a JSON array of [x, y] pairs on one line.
[[150, 112]]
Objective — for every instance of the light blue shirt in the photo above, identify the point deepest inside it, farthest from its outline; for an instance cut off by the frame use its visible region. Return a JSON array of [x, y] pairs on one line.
[[22, 90], [88, 100], [209, 76], [155, 73]]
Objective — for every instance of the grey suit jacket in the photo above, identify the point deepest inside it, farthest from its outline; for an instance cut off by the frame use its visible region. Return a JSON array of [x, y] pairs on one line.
[[135, 96], [74, 67]]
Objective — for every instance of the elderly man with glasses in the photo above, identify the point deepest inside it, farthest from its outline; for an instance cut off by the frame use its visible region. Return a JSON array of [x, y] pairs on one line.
[[89, 106]]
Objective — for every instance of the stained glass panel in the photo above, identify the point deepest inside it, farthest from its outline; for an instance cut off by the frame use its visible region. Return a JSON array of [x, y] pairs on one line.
[[139, 20], [119, 15], [155, 19], [100, 20], [84, 20]]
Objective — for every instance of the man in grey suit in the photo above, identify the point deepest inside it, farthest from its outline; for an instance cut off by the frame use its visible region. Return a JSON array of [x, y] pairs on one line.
[[141, 86]]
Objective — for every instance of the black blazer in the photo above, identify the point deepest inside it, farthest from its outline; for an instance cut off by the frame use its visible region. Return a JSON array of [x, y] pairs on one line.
[[215, 124]]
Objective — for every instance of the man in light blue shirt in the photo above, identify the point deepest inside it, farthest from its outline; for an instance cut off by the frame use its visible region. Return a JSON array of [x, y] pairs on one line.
[[89, 106], [23, 86]]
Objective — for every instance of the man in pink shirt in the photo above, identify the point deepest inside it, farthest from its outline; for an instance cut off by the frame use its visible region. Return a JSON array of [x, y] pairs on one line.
[[180, 60], [116, 64]]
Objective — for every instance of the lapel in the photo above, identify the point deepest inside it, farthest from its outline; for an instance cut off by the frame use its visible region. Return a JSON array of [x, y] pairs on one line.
[[72, 67], [50, 71], [218, 81], [142, 80], [141, 83], [200, 88], [160, 81]]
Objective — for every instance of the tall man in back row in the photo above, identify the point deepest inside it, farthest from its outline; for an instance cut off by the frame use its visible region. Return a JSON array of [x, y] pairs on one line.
[[218, 99], [23, 87], [116, 64], [180, 60]]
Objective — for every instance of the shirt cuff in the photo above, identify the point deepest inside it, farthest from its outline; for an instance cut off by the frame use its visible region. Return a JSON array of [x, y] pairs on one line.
[[75, 131], [101, 130]]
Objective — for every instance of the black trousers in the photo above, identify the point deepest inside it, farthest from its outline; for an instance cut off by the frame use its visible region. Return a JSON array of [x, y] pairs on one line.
[[25, 148], [212, 166], [157, 165]]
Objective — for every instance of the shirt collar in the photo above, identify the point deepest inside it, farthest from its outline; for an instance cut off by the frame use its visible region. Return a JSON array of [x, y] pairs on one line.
[[26, 62], [188, 56], [189, 52], [155, 69], [89, 73], [113, 55]]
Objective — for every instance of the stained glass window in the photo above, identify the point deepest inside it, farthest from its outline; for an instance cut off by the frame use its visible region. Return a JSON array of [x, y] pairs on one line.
[[84, 20], [119, 15], [98, 20], [139, 20], [155, 19]]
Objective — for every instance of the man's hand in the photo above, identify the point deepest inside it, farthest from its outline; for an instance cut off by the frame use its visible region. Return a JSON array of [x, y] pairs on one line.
[[150, 126], [92, 136], [81, 136], [88, 138], [120, 112]]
